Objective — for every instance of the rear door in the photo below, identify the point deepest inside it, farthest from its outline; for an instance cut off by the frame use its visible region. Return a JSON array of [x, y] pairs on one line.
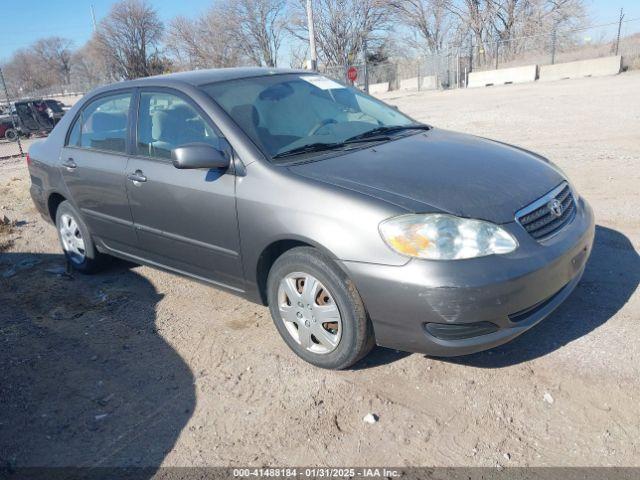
[[93, 165], [184, 219], [26, 117]]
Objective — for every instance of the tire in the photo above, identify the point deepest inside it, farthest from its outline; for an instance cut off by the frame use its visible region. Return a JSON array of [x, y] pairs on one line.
[[11, 135], [345, 336], [72, 228]]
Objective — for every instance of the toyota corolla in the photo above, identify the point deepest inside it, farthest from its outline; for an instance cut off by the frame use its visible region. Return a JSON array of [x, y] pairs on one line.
[[354, 223]]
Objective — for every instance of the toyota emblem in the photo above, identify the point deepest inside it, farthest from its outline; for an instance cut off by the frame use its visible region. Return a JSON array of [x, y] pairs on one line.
[[555, 207]]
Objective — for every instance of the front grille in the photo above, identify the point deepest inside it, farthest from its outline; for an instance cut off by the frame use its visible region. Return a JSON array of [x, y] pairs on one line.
[[540, 221]]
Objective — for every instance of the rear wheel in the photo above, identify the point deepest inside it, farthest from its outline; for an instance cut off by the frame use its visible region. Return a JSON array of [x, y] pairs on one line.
[[11, 134], [317, 310], [76, 241]]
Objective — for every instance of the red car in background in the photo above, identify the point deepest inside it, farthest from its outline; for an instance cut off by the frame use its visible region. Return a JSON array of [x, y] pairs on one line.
[[7, 130]]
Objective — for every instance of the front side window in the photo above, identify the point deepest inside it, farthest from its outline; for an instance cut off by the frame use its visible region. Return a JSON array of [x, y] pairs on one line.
[[287, 113], [166, 121], [102, 124]]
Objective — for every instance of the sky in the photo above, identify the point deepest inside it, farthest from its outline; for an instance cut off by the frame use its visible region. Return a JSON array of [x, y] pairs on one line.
[[34, 19]]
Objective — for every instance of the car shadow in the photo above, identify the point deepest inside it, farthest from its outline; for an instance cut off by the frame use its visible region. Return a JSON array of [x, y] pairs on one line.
[[610, 279], [379, 356], [87, 380]]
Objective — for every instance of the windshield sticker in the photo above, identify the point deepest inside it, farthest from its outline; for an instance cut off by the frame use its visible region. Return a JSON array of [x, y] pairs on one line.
[[321, 82]]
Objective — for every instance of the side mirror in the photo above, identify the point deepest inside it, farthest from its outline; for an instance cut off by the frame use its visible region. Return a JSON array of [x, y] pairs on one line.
[[198, 155]]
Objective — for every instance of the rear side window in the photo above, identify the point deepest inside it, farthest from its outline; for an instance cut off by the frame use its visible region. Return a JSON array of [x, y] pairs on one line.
[[166, 121], [102, 125]]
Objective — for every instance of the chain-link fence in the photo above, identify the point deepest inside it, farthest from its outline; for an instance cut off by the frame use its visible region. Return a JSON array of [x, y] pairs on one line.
[[559, 46], [451, 67], [30, 115], [10, 145]]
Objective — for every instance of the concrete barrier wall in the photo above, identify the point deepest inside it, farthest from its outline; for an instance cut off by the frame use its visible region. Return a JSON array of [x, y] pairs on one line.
[[409, 83], [429, 83], [504, 75], [378, 88], [584, 68], [426, 83]]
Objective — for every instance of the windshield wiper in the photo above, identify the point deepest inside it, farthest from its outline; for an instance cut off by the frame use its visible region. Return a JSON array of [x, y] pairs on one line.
[[312, 147], [386, 129], [376, 134]]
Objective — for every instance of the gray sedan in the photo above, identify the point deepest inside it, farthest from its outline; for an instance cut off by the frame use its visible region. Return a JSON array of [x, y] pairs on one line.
[[355, 224]]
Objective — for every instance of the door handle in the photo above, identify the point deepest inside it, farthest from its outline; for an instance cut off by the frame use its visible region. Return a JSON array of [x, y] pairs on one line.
[[70, 165], [137, 177]]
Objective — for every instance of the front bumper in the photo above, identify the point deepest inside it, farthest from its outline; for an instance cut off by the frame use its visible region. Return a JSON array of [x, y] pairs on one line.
[[513, 292]]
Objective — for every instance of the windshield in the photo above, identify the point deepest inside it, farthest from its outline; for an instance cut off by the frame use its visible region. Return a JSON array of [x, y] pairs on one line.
[[300, 112]]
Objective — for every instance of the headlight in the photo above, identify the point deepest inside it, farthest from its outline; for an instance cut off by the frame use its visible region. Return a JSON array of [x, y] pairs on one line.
[[445, 237]]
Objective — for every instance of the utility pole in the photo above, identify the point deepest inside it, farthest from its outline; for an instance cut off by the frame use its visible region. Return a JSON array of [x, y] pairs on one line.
[[366, 67], [619, 28], [554, 40], [312, 37], [93, 18]]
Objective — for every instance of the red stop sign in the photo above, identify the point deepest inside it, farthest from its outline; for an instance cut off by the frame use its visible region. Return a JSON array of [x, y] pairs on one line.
[[352, 73]]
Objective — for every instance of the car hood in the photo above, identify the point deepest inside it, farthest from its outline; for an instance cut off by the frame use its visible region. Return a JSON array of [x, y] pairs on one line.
[[442, 171]]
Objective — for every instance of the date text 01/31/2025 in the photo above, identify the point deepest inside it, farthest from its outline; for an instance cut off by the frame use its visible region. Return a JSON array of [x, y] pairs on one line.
[[316, 472]]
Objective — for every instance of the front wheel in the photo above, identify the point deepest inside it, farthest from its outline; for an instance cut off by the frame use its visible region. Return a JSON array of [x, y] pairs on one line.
[[76, 240], [317, 310]]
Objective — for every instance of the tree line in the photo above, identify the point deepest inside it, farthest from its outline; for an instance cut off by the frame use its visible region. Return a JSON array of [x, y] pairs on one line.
[[132, 41]]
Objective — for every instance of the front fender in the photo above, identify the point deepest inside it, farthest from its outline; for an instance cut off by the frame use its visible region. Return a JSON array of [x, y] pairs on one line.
[[274, 204]]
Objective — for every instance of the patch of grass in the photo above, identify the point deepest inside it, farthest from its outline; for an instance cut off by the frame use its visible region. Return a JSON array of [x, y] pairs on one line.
[[5, 244], [6, 229]]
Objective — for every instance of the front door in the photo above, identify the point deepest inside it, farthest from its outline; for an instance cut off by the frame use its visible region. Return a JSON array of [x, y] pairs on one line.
[[184, 219], [94, 162]]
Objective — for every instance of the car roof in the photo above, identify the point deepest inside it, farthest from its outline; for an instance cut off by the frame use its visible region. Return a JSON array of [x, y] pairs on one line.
[[203, 77]]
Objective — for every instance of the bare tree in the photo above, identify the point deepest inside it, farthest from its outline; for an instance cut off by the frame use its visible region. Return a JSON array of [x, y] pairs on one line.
[[43, 65], [430, 19], [474, 16], [257, 27], [89, 67], [298, 56], [342, 27], [565, 14], [503, 20], [55, 53], [129, 38], [25, 74], [202, 43]]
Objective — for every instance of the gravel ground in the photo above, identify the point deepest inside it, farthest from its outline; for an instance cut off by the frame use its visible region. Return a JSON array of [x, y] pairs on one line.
[[139, 367]]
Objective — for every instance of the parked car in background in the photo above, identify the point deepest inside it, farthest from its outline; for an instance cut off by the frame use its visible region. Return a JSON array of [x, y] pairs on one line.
[[8, 130], [355, 224], [33, 118]]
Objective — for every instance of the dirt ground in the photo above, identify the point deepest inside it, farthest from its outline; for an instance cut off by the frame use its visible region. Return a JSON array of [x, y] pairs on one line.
[[139, 367]]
